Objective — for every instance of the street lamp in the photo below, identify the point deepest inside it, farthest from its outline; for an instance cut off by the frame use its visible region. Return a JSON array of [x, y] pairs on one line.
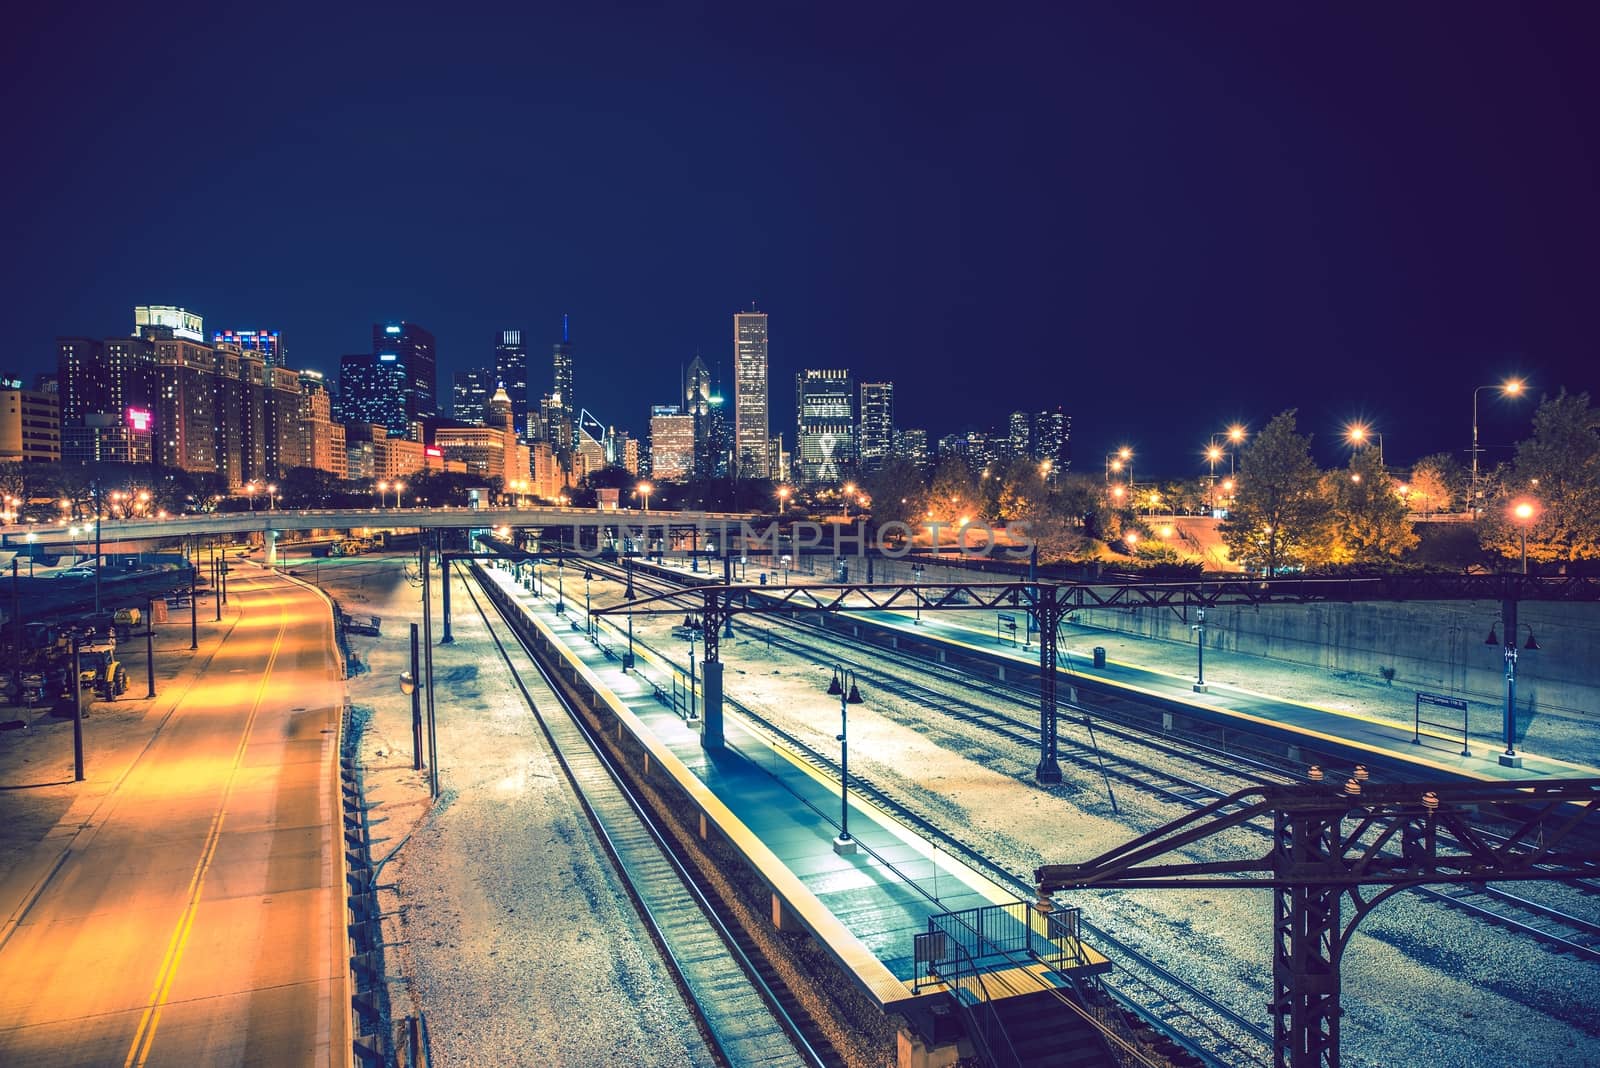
[[849, 491], [644, 489], [1524, 513], [1359, 434], [693, 712], [1510, 758], [784, 492], [561, 589], [844, 688], [383, 487], [1511, 387], [250, 492], [272, 496], [1213, 454], [916, 580], [588, 617], [1199, 628], [399, 487]]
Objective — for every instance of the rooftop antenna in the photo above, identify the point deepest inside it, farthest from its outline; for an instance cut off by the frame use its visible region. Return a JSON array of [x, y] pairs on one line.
[[564, 335]]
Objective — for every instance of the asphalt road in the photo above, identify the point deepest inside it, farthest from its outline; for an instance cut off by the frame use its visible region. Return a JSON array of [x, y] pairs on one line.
[[197, 918]]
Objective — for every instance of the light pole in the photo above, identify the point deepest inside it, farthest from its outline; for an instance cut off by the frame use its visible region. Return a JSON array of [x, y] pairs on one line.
[[849, 491], [561, 589], [1511, 387], [916, 580], [399, 488], [784, 492], [1510, 758], [588, 617], [1359, 434], [844, 687], [644, 489], [250, 492], [96, 550], [382, 488], [1524, 512], [693, 712], [1213, 454], [272, 496], [1199, 628]]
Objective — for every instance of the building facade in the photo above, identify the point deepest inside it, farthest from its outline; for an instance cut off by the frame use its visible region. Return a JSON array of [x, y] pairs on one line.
[[269, 343], [30, 425], [875, 440], [561, 413], [825, 430], [406, 355], [750, 409], [671, 444], [511, 371]]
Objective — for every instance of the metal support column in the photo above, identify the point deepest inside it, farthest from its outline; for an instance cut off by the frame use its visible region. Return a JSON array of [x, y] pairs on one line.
[[1048, 611], [1306, 939], [416, 701], [711, 709], [444, 580]]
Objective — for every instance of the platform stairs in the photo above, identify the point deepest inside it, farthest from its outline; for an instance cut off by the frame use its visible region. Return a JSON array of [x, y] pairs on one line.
[[1009, 970]]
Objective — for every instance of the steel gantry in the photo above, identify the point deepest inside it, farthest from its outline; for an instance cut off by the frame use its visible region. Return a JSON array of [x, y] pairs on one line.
[[1332, 844]]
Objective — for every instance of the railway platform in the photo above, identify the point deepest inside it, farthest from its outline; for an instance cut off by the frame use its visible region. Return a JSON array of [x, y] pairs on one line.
[[1300, 730], [921, 935]]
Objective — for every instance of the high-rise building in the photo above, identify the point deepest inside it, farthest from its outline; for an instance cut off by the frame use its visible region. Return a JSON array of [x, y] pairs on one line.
[[269, 343], [561, 413], [671, 443], [30, 424], [875, 442], [369, 389], [953, 447], [1019, 443], [912, 444], [471, 391], [410, 354], [511, 371], [825, 434], [1052, 434], [751, 451], [697, 403], [184, 325]]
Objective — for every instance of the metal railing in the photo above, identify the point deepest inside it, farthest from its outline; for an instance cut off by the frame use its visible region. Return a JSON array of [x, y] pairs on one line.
[[996, 936]]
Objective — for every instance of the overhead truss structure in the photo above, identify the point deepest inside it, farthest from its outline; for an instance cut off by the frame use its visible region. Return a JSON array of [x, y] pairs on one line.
[[1361, 844]]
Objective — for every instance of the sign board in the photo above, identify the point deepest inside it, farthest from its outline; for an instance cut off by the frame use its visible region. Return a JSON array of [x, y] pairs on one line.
[[1442, 701]]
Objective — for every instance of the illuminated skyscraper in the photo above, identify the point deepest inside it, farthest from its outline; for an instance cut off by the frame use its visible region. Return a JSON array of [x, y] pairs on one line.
[[406, 371], [472, 390], [875, 442], [751, 450], [269, 343], [564, 414], [511, 371], [824, 437]]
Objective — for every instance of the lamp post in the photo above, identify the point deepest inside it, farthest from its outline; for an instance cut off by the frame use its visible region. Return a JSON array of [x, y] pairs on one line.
[[916, 580], [272, 496], [408, 686], [381, 488], [1511, 387], [844, 687], [644, 489], [561, 589], [31, 537], [1510, 758], [784, 493], [1523, 513], [1199, 628], [693, 712], [588, 617], [150, 645], [1213, 454], [849, 491], [1359, 434], [97, 548], [399, 488]]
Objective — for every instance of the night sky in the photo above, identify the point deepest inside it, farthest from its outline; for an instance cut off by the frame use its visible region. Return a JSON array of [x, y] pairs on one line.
[[1163, 217]]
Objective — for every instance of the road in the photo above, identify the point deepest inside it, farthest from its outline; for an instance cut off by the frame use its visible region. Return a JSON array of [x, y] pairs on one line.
[[197, 917]]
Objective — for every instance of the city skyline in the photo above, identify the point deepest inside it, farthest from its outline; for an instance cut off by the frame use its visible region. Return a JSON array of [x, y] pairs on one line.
[[1078, 198]]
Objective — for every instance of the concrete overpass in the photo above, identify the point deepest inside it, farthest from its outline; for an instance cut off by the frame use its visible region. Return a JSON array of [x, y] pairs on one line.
[[270, 522]]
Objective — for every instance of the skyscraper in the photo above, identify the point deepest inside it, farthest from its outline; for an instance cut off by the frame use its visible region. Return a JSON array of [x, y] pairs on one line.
[[471, 391], [369, 388], [269, 343], [825, 435], [1020, 434], [697, 403], [750, 395], [511, 371], [876, 439], [671, 443], [1052, 433], [564, 421], [406, 352]]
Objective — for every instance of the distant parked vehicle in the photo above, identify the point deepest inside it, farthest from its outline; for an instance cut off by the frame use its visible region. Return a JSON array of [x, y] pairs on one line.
[[77, 573]]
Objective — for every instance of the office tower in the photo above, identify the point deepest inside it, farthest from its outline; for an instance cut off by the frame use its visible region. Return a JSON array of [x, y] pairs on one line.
[[184, 325], [751, 459], [697, 404], [825, 434], [470, 391], [1052, 432], [368, 389], [562, 412], [720, 464], [511, 371], [500, 411], [953, 447], [82, 379], [190, 407], [912, 445], [269, 343], [409, 354], [316, 447], [875, 441], [30, 424], [671, 443], [1019, 444]]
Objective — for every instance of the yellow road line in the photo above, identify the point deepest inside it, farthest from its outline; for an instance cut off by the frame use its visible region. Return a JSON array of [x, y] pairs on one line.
[[144, 1036]]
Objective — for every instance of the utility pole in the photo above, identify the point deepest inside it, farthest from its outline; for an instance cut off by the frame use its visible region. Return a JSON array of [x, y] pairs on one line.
[[77, 714], [150, 644], [16, 615]]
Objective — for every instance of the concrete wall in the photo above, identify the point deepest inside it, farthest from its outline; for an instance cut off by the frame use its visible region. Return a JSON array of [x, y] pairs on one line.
[[1431, 645]]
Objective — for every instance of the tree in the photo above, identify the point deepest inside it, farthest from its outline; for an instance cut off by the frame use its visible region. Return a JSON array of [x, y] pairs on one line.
[[1433, 482], [953, 495], [897, 492], [1278, 510], [1557, 472], [1369, 523]]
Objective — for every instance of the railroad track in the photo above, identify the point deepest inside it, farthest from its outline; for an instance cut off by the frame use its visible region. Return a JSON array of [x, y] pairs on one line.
[[1555, 928], [686, 919]]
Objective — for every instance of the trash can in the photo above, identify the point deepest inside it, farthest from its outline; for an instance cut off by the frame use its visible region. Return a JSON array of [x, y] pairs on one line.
[[763, 578], [1099, 656]]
